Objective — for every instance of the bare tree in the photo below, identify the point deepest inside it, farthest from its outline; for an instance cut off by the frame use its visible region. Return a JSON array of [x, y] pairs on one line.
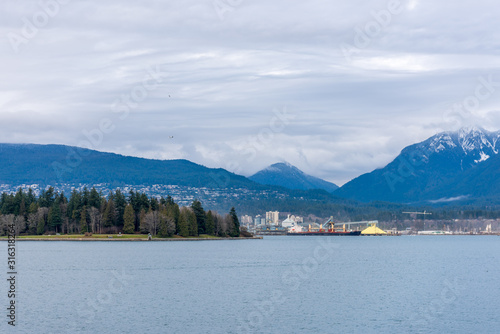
[[166, 226], [150, 223], [19, 224], [95, 220], [5, 222], [222, 224]]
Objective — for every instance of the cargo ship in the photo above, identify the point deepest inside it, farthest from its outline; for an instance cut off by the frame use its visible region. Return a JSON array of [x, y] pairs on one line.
[[327, 228], [325, 233]]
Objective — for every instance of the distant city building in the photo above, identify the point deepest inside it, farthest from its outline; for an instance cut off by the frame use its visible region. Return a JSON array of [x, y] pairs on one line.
[[288, 222], [297, 219], [292, 220], [246, 220], [259, 220], [272, 217]]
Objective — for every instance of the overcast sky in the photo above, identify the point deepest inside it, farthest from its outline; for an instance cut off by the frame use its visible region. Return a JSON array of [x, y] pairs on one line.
[[336, 88]]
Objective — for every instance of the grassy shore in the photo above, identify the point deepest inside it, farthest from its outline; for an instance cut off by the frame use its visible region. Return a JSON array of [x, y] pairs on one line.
[[117, 237]]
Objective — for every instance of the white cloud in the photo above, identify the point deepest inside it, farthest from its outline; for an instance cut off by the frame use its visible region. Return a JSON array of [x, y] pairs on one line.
[[412, 4]]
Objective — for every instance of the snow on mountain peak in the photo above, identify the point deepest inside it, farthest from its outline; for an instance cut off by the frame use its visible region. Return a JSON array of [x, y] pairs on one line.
[[475, 139], [466, 130], [484, 157], [440, 142]]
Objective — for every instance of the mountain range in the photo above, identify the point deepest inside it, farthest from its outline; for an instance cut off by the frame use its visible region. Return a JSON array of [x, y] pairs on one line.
[[449, 166], [59, 164], [446, 168]]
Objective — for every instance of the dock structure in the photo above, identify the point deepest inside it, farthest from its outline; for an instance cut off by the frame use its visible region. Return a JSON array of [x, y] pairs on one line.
[[367, 227], [347, 225]]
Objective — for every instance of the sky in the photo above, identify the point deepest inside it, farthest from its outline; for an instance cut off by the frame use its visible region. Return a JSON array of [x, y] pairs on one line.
[[336, 88]]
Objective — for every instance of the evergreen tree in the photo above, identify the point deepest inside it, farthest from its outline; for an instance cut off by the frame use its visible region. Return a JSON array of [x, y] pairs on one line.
[[134, 201], [55, 219], [110, 214], [236, 223], [47, 198], [94, 198], [210, 224], [40, 227], [193, 226], [154, 204], [200, 217], [120, 204], [184, 222], [33, 208], [74, 206], [84, 224], [129, 220], [142, 219], [144, 202], [85, 196], [30, 197], [18, 202], [7, 204], [61, 199], [22, 208]]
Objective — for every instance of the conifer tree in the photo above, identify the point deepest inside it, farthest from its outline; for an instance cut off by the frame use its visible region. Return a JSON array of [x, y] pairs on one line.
[[236, 223], [184, 222], [94, 198], [193, 226], [55, 219], [210, 225], [128, 220], [84, 226], [33, 208], [200, 216], [110, 214], [40, 227], [120, 203]]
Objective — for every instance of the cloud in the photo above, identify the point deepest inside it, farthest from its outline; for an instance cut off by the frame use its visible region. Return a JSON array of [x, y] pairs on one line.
[[412, 4], [222, 78], [450, 199]]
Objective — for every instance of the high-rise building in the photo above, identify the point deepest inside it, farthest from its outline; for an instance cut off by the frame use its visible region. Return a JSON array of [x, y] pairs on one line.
[[246, 220], [272, 217]]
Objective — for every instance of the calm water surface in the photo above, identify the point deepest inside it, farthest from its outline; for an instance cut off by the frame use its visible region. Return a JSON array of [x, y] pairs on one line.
[[424, 284]]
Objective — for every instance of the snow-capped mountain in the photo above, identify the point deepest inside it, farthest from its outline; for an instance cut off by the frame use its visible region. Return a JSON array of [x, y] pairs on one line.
[[288, 176], [433, 170], [476, 144]]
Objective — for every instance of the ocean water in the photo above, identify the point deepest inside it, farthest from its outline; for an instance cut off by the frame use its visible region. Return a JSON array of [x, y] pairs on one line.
[[419, 284]]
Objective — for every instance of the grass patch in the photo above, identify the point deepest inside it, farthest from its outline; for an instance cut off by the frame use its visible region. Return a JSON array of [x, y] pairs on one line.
[[107, 236], [80, 236]]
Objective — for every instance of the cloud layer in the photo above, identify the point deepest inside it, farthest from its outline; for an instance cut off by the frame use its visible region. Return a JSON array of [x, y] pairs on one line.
[[335, 88]]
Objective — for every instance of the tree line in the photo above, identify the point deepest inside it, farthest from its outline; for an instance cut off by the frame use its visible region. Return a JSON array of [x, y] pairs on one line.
[[89, 211]]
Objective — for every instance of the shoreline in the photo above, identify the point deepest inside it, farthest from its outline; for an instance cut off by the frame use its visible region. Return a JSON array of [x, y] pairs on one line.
[[130, 239]]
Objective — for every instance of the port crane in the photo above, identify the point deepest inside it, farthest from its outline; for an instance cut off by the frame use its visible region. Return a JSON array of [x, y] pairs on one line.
[[333, 226]]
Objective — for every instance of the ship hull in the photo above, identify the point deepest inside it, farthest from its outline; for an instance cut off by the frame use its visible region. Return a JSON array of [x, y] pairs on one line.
[[350, 233]]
